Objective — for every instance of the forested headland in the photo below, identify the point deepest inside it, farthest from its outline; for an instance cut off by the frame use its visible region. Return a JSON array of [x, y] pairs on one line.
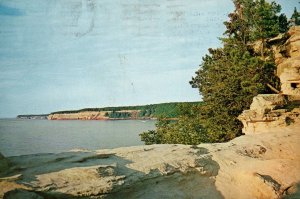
[[152, 111]]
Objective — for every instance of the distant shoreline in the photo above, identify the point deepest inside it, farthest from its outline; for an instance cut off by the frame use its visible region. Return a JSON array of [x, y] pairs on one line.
[[171, 111]]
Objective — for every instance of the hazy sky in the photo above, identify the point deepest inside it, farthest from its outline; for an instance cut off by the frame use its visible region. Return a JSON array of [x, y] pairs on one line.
[[70, 54]]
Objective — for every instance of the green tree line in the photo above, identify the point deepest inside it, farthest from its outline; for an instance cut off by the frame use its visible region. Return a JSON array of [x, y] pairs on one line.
[[167, 110], [118, 115]]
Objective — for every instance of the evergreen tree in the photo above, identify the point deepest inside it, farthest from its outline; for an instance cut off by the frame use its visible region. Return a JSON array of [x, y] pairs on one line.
[[228, 78], [239, 24], [254, 20], [265, 22], [283, 23], [295, 19], [231, 76]]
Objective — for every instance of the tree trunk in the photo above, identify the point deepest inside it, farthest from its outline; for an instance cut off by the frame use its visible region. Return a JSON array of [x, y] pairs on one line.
[[263, 48], [273, 89]]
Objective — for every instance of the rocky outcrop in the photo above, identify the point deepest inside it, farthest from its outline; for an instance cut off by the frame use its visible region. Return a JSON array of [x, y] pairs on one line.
[[268, 112], [262, 166]]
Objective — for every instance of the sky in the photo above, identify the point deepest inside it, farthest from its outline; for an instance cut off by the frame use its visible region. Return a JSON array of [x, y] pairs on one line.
[[63, 55]]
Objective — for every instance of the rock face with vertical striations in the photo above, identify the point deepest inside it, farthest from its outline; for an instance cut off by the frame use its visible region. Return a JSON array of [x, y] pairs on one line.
[[288, 66]]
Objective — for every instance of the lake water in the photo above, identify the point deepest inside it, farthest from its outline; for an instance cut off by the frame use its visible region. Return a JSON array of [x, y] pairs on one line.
[[20, 137]]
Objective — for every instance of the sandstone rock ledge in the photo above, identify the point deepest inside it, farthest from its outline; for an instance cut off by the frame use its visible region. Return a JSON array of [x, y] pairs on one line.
[[251, 166]]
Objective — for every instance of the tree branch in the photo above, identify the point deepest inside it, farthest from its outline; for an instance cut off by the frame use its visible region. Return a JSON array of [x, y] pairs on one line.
[[273, 89]]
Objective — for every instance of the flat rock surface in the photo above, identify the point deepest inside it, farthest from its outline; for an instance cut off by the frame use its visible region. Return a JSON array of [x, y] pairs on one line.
[[251, 166]]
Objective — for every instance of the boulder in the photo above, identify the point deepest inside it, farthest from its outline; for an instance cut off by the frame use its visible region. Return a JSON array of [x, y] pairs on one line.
[[265, 103]]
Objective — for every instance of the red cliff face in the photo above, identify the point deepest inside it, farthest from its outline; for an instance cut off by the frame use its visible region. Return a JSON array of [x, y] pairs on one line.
[[88, 115], [91, 115]]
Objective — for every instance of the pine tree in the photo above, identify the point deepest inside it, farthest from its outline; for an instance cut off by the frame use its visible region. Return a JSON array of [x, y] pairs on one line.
[[265, 22], [295, 19], [240, 24], [228, 80], [283, 23], [252, 21], [229, 77]]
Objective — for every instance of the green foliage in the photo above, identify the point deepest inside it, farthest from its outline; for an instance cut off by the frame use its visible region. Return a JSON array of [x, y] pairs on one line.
[[283, 23], [151, 137], [165, 110], [228, 78], [231, 76], [254, 20], [295, 18], [186, 130], [238, 27], [264, 19], [119, 115]]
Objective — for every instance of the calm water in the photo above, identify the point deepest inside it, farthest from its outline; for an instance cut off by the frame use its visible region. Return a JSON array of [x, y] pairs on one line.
[[19, 137]]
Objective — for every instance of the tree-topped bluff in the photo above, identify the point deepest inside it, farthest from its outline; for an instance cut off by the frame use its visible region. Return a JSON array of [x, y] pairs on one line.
[[152, 111]]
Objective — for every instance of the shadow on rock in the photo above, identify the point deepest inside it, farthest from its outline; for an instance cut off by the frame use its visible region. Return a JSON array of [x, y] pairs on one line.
[[197, 182], [106, 175]]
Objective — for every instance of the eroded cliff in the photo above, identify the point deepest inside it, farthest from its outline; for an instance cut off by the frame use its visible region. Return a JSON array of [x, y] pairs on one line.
[[87, 115], [96, 115]]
